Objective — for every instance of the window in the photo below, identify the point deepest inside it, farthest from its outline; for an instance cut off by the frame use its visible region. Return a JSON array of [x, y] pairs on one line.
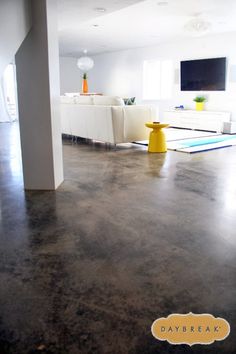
[[157, 79]]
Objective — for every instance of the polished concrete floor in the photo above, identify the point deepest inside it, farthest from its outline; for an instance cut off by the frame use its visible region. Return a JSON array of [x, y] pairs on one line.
[[128, 237]]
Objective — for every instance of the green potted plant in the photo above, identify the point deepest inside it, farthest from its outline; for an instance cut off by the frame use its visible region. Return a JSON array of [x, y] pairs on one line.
[[200, 100]]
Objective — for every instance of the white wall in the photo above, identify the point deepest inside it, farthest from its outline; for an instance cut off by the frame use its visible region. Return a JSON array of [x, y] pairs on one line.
[[70, 75], [15, 22], [120, 73], [37, 68]]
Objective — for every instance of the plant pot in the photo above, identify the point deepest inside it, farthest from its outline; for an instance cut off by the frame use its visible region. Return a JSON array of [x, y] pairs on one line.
[[199, 106], [85, 86]]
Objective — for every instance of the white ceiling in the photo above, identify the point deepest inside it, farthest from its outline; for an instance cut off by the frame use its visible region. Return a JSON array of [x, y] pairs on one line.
[[130, 23]]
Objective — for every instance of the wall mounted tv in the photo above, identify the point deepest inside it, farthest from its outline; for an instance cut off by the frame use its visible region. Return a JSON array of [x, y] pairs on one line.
[[203, 74]]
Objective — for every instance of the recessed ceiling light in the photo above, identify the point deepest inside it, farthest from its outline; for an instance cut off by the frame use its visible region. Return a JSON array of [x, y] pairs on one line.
[[100, 9], [162, 3]]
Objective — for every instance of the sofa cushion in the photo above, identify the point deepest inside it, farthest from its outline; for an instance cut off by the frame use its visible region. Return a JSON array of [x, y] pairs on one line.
[[108, 101], [85, 100]]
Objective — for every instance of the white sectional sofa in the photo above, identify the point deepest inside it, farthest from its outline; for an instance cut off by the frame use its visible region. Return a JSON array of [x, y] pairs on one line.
[[105, 119]]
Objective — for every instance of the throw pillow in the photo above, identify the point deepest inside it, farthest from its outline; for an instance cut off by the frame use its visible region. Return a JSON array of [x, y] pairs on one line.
[[108, 101], [84, 100], [129, 101]]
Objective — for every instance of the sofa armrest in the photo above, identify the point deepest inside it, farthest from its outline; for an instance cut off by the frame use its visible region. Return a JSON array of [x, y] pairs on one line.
[[118, 124], [135, 118]]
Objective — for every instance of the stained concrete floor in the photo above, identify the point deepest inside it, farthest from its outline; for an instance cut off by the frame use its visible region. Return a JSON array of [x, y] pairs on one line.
[[128, 237]]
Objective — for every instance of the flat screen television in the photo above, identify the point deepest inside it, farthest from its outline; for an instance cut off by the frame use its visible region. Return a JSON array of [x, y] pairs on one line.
[[203, 74]]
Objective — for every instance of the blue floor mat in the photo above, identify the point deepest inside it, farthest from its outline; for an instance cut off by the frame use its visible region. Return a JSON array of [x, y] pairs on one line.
[[205, 141]]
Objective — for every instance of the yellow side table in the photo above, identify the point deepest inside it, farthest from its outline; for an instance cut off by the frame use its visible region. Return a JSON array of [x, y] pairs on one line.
[[157, 139]]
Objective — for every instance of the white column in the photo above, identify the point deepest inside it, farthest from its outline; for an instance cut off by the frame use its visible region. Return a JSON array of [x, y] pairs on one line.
[[37, 69]]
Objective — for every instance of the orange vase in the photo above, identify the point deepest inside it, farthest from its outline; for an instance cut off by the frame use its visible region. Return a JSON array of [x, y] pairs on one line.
[[85, 86]]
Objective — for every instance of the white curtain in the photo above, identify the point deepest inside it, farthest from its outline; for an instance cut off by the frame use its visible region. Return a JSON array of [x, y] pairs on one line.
[[8, 102]]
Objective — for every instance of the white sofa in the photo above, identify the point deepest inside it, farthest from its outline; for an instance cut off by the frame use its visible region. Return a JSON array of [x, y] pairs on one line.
[[105, 119]]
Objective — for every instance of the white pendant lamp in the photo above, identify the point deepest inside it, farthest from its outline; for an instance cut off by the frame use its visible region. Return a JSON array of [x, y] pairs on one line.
[[85, 63], [198, 24]]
